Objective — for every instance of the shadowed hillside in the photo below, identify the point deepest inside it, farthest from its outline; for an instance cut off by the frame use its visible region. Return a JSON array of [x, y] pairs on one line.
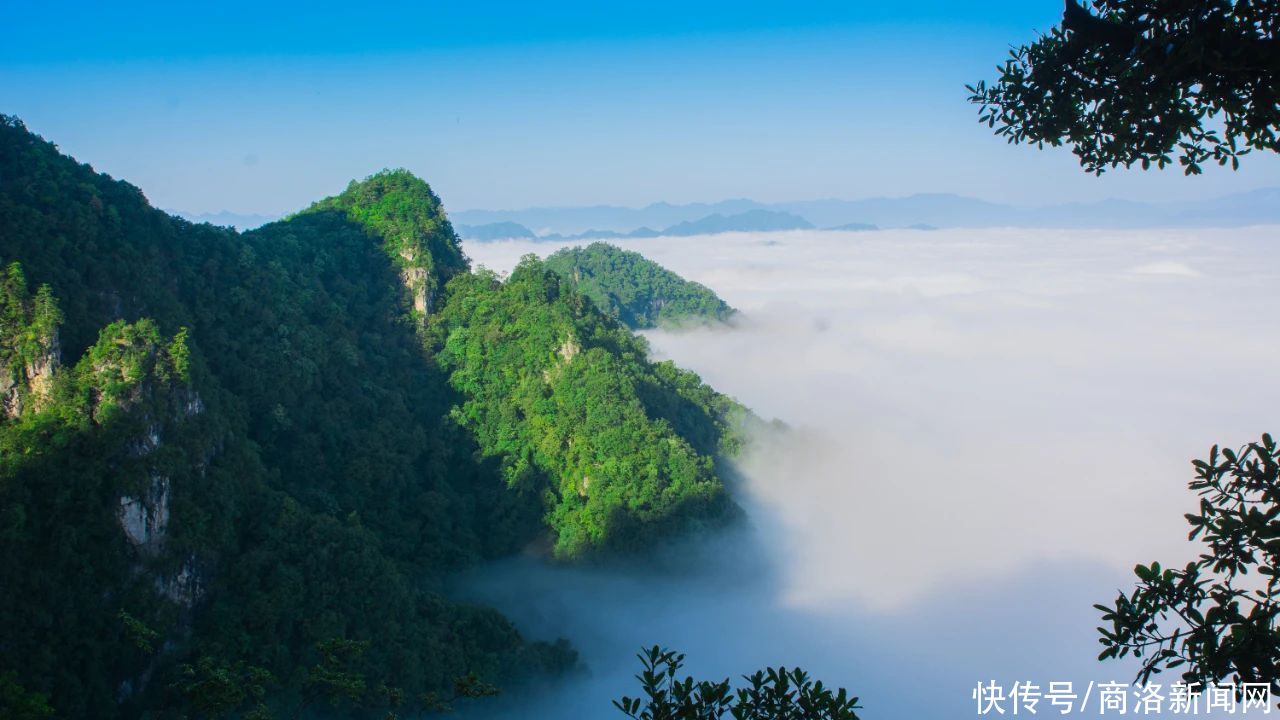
[[234, 474]]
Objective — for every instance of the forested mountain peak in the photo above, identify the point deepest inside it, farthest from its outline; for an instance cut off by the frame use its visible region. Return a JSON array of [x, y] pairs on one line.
[[402, 211], [636, 290], [252, 458], [241, 496]]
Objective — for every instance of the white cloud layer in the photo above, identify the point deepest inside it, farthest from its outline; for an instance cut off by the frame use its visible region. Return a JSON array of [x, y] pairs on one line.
[[972, 408]]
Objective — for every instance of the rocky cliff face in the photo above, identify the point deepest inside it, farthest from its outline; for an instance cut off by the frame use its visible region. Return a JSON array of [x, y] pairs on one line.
[[40, 368], [417, 280], [10, 399], [131, 378], [129, 375], [145, 519], [145, 515], [30, 353]]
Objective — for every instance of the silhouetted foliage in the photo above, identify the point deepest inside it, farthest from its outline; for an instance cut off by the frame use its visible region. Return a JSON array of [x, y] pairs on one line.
[[770, 694], [17, 703], [1144, 80], [1211, 618], [213, 691]]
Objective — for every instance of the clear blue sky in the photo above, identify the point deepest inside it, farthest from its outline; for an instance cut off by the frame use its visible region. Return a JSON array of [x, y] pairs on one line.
[[262, 107]]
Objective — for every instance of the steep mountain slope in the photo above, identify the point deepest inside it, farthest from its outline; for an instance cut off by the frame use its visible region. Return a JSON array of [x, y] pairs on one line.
[[232, 471], [304, 490], [634, 289], [623, 450], [407, 219]]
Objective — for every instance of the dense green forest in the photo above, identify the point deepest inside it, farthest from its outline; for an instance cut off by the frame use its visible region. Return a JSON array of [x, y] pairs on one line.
[[236, 468], [565, 395], [636, 290]]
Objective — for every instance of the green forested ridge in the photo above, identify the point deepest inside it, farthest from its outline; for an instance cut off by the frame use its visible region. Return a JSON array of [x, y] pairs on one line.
[[232, 473], [567, 398], [407, 217], [634, 289]]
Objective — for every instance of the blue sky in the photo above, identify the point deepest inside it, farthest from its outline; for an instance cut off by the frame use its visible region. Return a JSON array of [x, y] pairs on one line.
[[261, 108]]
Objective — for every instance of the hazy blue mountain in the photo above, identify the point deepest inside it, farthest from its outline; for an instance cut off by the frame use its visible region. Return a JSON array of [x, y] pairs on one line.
[[1258, 207], [854, 227], [495, 231], [572, 221], [593, 235], [938, 210], [224, 218], [749, 221], [934, 209]]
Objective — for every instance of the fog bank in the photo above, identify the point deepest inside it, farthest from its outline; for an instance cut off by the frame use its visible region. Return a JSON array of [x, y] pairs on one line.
[[989, 428]]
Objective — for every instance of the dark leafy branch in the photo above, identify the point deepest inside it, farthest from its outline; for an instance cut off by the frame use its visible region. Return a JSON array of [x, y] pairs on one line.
[[770, 694], [1211, 618], [1143, 81]]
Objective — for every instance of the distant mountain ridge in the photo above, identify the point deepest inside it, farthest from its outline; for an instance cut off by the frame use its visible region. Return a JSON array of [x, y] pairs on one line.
[[748, 221], [495, 231], [226, 218], [604, 222], [1256, 207]]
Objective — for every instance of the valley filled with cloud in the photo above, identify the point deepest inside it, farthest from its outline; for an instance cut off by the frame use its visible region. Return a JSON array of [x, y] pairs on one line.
[[986, 430]]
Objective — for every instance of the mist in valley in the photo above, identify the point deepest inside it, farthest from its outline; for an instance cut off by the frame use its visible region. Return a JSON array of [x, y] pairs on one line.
[[986, 430]]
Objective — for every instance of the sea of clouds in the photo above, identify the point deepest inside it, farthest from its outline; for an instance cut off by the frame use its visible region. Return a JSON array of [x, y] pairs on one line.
[[988, 429]]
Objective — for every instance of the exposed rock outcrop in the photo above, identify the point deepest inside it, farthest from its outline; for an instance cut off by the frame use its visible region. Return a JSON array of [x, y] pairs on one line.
[[30, 353], [41, 368], [569, 349], [145, 519], [184, 588], [28, 385], [10, 399]]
